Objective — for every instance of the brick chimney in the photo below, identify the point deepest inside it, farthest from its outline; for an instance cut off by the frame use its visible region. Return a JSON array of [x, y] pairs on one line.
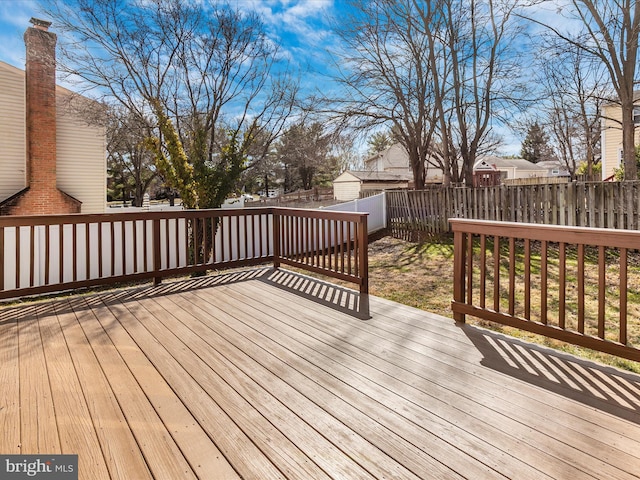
[[41, 106], [42, 195]]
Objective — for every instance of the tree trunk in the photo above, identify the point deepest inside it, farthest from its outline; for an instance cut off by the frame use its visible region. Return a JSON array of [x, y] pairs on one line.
[[628, 140]]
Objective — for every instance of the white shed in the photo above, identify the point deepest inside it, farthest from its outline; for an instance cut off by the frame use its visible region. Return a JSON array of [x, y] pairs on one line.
[[349, 184]]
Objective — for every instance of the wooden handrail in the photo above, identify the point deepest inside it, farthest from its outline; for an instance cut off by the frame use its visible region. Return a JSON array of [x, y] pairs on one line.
[[41, 254], [592, 328]]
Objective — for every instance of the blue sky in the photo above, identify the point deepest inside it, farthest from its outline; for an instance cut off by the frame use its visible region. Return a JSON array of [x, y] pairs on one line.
[[302, 27], [14, 20]]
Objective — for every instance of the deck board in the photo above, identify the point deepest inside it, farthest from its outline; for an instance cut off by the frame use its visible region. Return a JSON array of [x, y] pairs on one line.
[[164, 458], [72, 417], [351, 406], [253, 375], [118, 445], [35, 392], [474, 434], [230, 389], [235, 444], [10, 386], [266, 369], [540, 443], [202, 454]]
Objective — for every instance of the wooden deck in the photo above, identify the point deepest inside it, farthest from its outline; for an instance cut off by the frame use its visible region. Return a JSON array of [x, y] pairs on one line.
[[245, 375]]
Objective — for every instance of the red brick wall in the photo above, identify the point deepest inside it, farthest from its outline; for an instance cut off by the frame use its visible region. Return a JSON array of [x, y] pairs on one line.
[[42, 196]]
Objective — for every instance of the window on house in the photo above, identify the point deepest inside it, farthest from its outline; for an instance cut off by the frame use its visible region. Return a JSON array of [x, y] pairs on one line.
[[636, 115]]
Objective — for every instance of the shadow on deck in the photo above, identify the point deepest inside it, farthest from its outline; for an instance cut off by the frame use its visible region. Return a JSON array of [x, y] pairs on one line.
[[267, 374], [593, 384]]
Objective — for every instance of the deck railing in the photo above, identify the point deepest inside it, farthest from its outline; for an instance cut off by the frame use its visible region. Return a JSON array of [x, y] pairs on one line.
[[41, 254], [575, 284]]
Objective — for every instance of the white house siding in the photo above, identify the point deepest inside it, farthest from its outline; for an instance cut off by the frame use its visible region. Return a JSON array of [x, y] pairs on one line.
[[13, 150], [393, 159], [81, 163], [611, 139]]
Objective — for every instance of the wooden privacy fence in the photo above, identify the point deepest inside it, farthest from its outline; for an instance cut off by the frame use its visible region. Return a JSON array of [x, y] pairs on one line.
[[576, 284], [40, 254], [587, 204]]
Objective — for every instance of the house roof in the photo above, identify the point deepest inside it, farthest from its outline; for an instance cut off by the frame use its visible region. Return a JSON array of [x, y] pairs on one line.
[[373, 176], [552, 164], [499, 162]]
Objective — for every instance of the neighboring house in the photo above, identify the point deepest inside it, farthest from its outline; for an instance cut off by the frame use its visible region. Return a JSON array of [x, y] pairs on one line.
[[611, 135], [395, 159], [510, 167], [51, 160], [350, 184], [554, 168]]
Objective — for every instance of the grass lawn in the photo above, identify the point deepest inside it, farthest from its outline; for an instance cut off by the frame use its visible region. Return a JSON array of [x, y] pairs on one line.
[[421, 275]]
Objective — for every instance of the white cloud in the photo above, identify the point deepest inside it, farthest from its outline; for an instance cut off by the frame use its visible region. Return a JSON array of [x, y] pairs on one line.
[[300, 27], [292, 16], [14, 20], [557, 14]]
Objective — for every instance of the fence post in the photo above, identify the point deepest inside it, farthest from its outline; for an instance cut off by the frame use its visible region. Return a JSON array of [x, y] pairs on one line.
[[459, 261], [157, 264]]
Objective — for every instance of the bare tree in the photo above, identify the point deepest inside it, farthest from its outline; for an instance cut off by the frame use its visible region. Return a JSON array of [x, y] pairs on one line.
[[126, 134], [610, 34], [476, 69], [437, 72], [575, 91], [385, 77], [203, 69]]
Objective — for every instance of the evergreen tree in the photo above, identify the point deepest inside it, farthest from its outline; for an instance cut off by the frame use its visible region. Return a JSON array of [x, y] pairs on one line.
[[379, 142], [535, 147], [304, 151]]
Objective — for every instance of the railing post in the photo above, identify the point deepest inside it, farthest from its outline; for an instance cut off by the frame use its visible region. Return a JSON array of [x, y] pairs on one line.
[[2, 259], [459, 261], [363, 243], [276, 238], [363, 253], [156, 252]]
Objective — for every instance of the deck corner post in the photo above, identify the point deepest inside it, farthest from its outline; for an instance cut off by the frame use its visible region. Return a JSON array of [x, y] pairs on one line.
[[363, 243], [363, 310], [363, 253], [459, 261]]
